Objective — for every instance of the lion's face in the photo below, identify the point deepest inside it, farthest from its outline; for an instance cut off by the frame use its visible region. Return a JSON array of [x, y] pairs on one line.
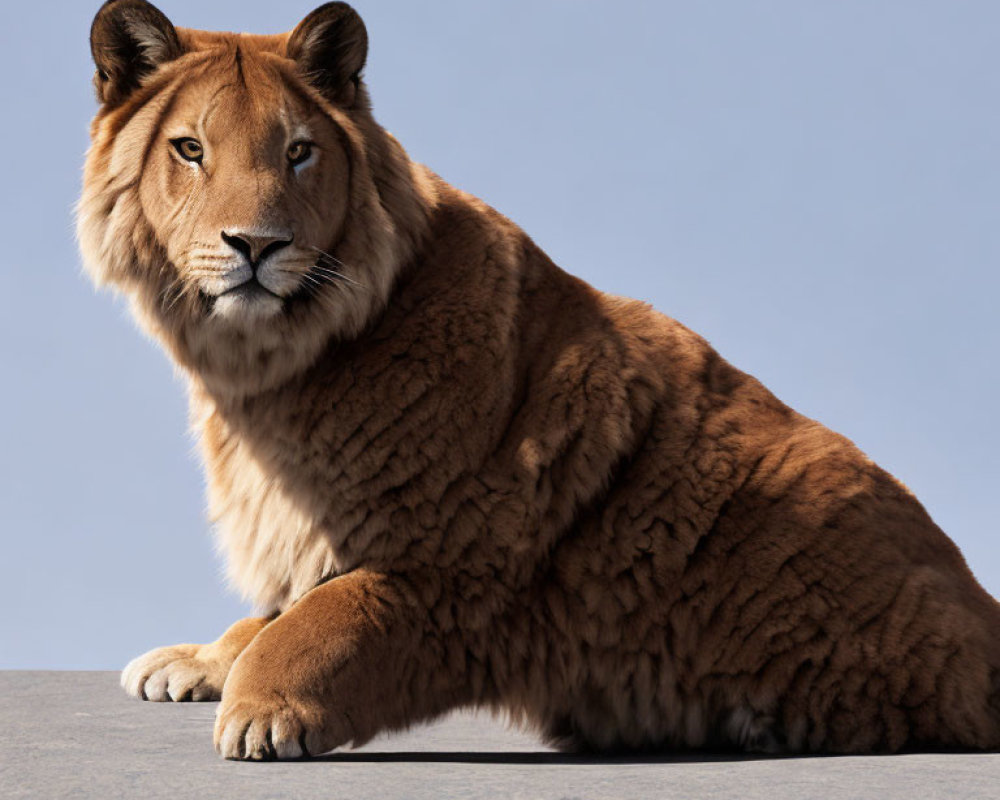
[[238, 191], [245, 186]]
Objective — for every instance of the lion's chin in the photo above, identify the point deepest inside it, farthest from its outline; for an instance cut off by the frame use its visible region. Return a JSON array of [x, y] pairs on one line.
[[247, 305]]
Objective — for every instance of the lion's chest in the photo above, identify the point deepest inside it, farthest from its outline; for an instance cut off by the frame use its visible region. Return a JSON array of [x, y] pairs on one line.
[[274, 547]]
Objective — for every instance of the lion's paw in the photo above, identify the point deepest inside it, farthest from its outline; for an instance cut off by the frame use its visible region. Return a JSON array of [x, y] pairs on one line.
[[271, 726], [174, 674]]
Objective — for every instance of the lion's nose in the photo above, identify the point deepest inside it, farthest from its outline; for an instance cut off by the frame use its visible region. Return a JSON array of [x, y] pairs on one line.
[[256, 246]]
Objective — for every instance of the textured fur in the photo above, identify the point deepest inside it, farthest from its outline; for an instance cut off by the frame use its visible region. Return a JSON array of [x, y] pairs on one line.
[[451, 474]]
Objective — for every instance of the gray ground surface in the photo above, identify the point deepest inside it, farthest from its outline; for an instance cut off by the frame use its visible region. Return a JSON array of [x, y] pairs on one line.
[[75, 734]]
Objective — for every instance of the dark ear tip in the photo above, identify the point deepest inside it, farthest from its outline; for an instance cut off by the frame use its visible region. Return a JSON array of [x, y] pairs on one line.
[[112, 12], [335, 9], [330, 46], [128, 40], [109, 7], [328, 14]]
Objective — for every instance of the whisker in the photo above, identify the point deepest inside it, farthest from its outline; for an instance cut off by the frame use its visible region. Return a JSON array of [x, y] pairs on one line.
[[325, 254], [328, 257], [312, 282], [329, 280], [330, 271], [184, 289]]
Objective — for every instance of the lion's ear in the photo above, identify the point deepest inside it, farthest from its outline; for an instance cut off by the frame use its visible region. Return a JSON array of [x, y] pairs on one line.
[[129, 39], [330, 46]]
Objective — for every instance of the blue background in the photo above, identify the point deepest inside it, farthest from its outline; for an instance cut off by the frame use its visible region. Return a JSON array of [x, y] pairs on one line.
[[813, 186]]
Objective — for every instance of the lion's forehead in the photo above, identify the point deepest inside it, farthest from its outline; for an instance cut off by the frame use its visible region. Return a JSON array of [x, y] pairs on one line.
[[236, 117], [258, 45], [232, 102]]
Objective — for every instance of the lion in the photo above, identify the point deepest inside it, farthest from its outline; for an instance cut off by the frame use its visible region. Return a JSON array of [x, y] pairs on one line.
[[450, 474]]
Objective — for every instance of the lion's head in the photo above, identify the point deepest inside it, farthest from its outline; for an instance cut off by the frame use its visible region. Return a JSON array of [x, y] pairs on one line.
[[238, 191]]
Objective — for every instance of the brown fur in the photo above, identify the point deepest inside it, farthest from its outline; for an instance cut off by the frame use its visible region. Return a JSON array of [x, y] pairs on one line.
[[463, 477]]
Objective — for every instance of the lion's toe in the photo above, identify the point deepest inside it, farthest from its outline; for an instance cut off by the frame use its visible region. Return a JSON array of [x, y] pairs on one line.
[[173, 674], [262, 730]]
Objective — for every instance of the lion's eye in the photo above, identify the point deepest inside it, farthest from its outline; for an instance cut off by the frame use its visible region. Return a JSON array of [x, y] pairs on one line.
[[299, 152], [189, 149]]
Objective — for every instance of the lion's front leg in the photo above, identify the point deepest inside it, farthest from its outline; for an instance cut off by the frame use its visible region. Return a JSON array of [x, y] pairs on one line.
[[189, 671], [354, 656]]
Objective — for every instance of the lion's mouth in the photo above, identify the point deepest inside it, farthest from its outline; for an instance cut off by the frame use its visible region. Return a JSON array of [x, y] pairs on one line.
[[248, 303], [249, 291]]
